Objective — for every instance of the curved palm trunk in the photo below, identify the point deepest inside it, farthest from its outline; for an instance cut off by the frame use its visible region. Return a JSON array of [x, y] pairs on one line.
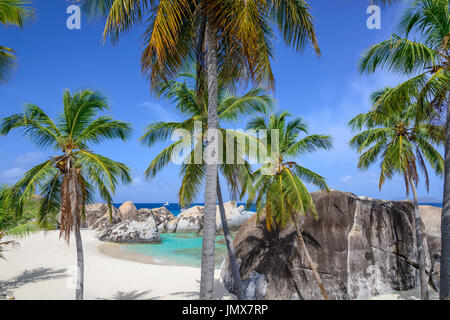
[[444, 286], [75, 207], [420, 250], [231, 254], [308, 257], [209, 222]]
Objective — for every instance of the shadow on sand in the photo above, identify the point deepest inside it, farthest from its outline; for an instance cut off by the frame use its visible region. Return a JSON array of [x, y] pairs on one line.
[[131, 295], [31, 276], [219, 293]]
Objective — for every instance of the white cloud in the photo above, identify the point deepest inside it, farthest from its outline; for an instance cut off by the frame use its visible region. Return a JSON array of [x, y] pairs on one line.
[[28, 158], [138, 181], [11, 175], [346, 179]]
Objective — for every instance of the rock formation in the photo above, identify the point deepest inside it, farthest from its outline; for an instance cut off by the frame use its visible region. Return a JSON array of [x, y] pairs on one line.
[[362, 248], [127, 211], [128, 225], [431, 218], [161, 216], [191, 220], [98, 217], [131, 231]]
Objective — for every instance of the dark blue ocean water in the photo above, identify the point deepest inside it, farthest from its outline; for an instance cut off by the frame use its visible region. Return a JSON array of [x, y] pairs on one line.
[[439, 205]]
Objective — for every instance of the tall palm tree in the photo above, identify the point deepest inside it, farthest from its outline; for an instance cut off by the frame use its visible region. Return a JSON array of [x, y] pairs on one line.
[[67, 181], [12, 12], [229, 39], [277, 188], [427, 60], [194, 107], [401, 144]]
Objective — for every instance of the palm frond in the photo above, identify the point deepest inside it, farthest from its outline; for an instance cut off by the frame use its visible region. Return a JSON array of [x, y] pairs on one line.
[[7, 63], [15, 12]]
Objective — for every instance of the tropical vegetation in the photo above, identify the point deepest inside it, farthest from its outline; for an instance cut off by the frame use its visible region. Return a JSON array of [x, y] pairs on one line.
[[229, 40], [277, 188], [194, 106], [67, 180], [402, 145], [15, 13], [426, 60]]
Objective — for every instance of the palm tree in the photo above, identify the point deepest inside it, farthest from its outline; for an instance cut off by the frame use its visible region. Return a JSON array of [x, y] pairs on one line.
[[229, 40], [277, 188], [12, 12], [401, 143], [67, 181], [194, 107], [427, 61]]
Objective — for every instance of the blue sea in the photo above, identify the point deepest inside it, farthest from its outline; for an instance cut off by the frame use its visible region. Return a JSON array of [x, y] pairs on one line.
[[184, 249], [439, 205]]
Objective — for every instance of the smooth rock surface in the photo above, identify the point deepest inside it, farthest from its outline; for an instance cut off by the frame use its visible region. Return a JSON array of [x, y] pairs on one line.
[[127, 211], [190, 220], [362, 248], [431, 218]]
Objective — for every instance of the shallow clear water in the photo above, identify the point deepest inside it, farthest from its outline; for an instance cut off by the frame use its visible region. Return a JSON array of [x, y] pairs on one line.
[[182, 249]]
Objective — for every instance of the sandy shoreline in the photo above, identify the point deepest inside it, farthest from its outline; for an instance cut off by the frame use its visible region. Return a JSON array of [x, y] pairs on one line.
[[43, 267]]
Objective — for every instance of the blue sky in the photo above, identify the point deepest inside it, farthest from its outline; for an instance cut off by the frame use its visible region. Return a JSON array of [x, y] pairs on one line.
[[326, 91]]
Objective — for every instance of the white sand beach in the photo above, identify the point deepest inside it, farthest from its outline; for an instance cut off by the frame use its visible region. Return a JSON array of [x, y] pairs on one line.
[[44, 267]]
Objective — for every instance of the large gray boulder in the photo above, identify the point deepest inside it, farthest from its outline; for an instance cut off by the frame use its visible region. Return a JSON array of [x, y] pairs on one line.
[[236, 216], [127, 211], [191, 220], [131, 231], [161, 216], [431, 218], [362, 248], [98, 216]]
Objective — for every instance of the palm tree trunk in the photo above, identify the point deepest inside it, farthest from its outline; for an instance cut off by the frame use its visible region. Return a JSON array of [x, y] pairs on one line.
[[444, 286], [74, 205], [209, 222], [420, 250], [80, 266], [308, 257], [230, 247]]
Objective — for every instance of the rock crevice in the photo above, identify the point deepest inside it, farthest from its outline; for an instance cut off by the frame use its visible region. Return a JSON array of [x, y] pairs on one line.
[[366, 247]]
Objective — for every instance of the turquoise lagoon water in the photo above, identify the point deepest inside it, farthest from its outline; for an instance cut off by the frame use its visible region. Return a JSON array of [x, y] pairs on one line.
[[181, 249]]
